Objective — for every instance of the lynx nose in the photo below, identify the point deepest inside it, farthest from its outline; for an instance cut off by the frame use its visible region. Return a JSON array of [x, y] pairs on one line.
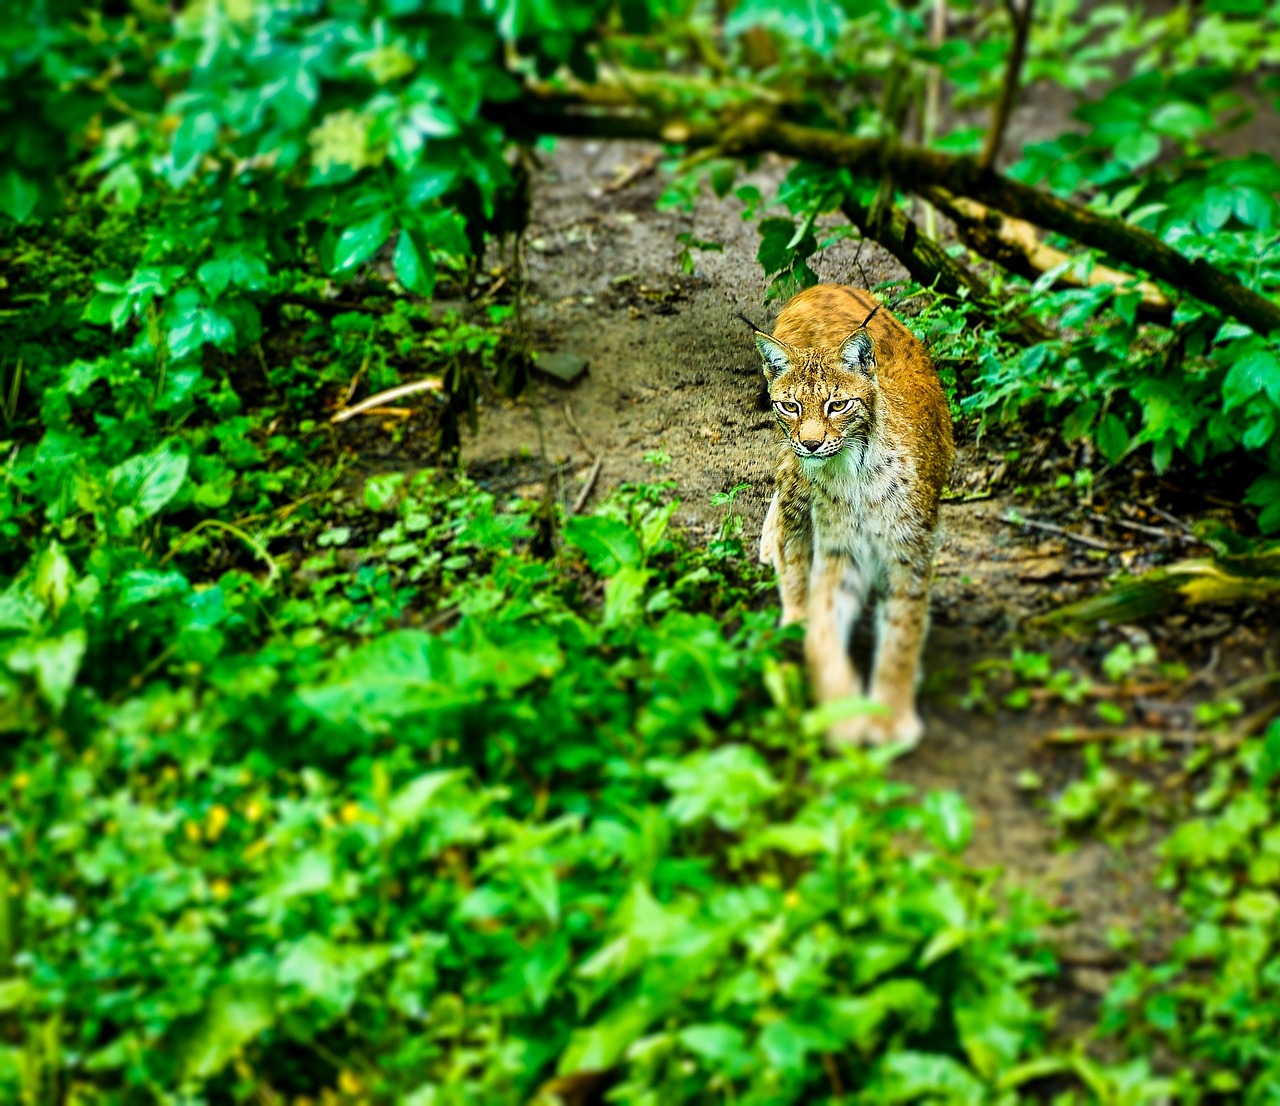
[[811, 444]]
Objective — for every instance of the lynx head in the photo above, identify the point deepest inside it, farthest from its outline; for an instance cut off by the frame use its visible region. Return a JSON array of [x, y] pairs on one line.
[[822, 398]]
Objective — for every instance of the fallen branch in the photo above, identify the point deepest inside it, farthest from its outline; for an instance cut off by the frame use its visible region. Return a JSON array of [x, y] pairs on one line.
[[585, 493], [929, 264], [1014, 245], [750, 130], [381, 399], [1015, 519]]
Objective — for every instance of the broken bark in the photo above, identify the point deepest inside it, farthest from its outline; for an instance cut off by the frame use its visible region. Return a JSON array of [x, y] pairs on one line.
[[1014, 245], [750, 131]]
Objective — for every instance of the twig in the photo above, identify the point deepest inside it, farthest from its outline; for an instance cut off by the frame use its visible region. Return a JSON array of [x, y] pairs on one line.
[[1172, 519], [573, 425], [1015, 519], [1154, 531], [585, 493], [1021, 21], [259, 550], [380, 399], [1074, 735], [642, 168], [833, 1075]]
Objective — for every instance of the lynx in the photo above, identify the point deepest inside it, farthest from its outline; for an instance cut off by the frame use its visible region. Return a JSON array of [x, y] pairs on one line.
[[865, 451]]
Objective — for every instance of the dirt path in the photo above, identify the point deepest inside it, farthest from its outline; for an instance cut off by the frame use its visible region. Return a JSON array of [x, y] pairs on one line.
[[671, 368]]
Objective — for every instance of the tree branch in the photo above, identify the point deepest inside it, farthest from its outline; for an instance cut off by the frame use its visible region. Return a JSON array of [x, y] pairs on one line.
[[755, 132], [929, 264], [1021, 22]]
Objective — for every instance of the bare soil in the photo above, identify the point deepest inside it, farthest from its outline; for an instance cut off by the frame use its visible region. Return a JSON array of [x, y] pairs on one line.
[[671, 368]]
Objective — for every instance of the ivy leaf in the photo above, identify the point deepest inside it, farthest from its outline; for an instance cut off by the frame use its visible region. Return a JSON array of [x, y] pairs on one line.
[[413, 262], [360, 242]]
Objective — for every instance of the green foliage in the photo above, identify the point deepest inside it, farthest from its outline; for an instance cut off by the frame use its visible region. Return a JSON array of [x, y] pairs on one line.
[[319, 844], [1216, 999]]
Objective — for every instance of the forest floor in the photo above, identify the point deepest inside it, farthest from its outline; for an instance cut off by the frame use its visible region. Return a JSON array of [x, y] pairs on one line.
[[670, 368]]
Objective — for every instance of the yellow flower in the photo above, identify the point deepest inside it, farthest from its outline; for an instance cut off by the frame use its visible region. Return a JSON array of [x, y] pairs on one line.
[[20, 781], [191, 830], [217, 821], [791, 900], [350, 812], [253, 810], [256, 849], [220, 889], [349, 1084]]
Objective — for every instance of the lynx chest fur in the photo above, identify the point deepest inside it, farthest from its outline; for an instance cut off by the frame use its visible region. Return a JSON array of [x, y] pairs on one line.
[[864, 453]]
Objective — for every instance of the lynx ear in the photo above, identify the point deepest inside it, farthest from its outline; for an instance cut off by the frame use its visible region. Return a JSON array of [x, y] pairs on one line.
[[776, 356], [857, 352]]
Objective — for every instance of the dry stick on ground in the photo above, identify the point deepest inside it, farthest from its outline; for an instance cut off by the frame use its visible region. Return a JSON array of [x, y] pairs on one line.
[[929, 264], [1021, 20], [1014, 519], [755, 131], [381, 399], [1014, 245]]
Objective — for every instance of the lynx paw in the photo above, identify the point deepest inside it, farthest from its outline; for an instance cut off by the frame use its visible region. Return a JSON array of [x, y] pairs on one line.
[[864, 730]]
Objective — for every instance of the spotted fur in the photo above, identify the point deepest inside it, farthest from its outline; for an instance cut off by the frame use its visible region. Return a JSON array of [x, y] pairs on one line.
[[864, 453]]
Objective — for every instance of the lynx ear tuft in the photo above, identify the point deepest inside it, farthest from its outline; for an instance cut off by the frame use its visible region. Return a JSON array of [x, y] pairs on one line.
[[857, 352], [775, 354]]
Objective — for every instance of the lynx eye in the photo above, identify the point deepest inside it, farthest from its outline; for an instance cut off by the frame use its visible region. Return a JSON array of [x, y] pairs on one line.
[[786, 407], [840, 406]]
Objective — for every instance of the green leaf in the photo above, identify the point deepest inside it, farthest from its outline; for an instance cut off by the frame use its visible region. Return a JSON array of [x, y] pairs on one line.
[[149, 481], [1181, 120], [776, 253], [145, 585], [55, 663], [18, 195], [718, 1042], [1077, 424], [327, 973], [360, 242], [410, 804], [54, 579], [1113, 438], [236, 1014], [1257, 371], [609, 544], [1137, 148], [413, 262], [623, 594], [195, 136], [915, 1077], [215, 275], [948, 820]]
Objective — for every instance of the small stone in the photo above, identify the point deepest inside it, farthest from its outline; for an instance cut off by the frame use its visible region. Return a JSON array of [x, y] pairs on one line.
[[563, 366]]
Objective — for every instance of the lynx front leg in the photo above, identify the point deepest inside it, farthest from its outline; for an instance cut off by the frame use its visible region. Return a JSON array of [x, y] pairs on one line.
[[901, 624], [837, 593], [787, 544]]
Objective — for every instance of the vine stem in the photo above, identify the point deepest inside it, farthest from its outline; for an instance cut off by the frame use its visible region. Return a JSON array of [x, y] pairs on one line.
[[1021, 21]]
